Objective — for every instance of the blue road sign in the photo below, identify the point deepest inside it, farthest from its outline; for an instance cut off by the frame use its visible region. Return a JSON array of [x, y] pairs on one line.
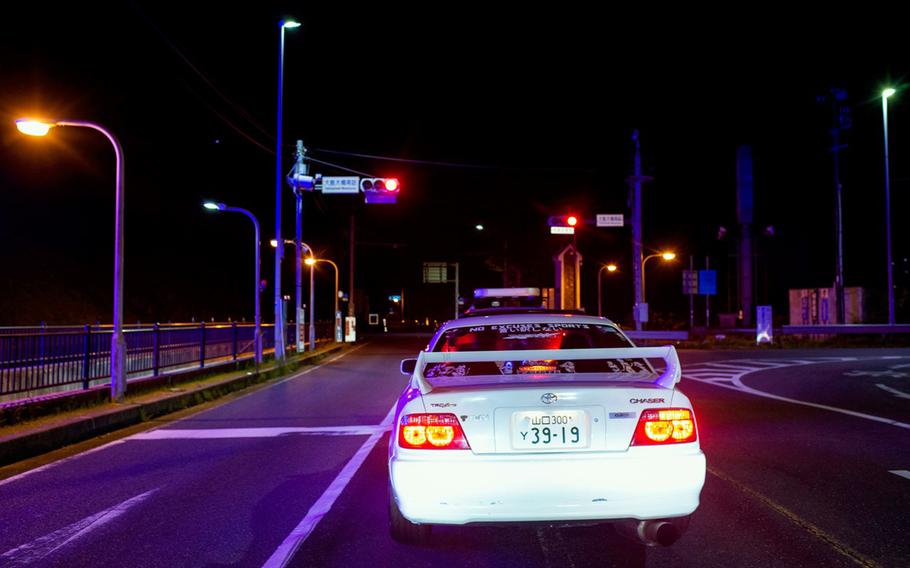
[[707, 282]]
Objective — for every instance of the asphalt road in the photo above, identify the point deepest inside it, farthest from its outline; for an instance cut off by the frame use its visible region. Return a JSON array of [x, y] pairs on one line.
[[802, 448]]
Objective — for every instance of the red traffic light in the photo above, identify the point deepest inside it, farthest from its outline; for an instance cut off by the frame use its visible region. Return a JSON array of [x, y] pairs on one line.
[[391, 184], [564, 221]]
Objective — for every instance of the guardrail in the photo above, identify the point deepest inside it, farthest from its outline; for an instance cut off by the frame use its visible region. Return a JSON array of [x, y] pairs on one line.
[[38, 360], [848, 329]]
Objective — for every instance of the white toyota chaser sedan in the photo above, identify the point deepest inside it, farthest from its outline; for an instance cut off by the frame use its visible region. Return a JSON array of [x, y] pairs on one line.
[[543, 416]]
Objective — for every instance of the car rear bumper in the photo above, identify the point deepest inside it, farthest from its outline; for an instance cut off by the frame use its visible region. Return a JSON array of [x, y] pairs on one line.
[[637, 484]]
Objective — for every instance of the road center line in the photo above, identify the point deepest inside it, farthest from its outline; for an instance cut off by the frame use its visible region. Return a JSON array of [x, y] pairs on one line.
[[285, 552], [812, 529], [47, 544]]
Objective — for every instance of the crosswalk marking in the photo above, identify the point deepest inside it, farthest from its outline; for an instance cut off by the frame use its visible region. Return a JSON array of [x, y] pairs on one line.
[[729, 374]]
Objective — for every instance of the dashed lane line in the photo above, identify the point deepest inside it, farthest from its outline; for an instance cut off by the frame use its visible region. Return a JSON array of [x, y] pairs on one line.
[[901, 472], [40, 548]]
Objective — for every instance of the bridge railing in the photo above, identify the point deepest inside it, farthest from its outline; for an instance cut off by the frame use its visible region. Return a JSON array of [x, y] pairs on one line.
[[42, 360]]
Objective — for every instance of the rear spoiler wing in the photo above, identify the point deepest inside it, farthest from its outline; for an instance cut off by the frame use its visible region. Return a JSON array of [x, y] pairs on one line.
[[667, 379]]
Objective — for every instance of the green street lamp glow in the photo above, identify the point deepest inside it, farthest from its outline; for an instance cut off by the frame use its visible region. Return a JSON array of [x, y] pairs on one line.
[[290, 24], [888, 92], [212, 206]]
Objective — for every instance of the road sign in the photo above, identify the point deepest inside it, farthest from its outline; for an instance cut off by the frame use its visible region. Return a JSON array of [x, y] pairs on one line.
[[340, 184], [435, 272], [610, 220], [562, 230], [707, 282], [690, 282]]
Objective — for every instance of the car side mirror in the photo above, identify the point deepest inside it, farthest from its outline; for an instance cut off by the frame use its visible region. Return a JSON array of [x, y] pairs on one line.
[[408, 366]]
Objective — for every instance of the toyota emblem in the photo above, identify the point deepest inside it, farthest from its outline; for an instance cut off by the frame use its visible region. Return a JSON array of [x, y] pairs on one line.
[[549, 398]]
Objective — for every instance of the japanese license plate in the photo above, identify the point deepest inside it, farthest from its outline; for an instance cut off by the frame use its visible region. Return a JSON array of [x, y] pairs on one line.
[[536, 429]]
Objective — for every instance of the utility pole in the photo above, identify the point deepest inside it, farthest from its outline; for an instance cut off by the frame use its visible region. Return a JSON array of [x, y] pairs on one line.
[[635, 182], [351, 312], [744, 214], [707, 298], [837, 100], [456, 290], [691, 294], [300, 170]]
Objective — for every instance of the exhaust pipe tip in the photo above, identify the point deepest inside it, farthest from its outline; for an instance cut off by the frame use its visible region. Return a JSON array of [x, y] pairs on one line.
[[653, 533], [650, 533]]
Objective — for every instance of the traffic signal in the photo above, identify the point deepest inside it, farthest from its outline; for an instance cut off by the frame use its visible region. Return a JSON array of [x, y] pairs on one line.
[[379, 190], [563, 224]]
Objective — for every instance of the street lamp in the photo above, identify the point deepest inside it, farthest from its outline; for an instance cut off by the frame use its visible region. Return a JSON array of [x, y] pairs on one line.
[[257, 317], [311, 262], [118, 341], [666, 256], [299, 309], [611, 268], [279, 251], [886, 94]]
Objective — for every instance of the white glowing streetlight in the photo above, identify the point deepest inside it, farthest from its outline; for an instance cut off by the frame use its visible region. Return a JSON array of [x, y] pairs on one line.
[[257, 317], [279, 175], [886, 94]]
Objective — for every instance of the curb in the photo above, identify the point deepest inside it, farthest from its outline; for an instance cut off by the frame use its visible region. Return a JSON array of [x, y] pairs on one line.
[[26, 445]]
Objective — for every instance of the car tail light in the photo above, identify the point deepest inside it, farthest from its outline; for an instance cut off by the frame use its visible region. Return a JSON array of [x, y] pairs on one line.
[[431, 432], [665, 426]]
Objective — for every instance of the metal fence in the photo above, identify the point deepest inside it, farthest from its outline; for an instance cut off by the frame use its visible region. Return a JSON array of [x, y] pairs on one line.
[[38, 360]]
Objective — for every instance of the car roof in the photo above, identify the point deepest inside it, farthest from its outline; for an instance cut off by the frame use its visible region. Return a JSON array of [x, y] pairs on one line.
[[536, 316], [517, 310]]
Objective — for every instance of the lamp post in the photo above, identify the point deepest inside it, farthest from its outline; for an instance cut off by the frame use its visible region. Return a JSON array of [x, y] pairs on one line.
[[257, 317], [299, 314], [667, 256], [311, 262], [279, 251], [609, 268], [118, 341], [886, 94]]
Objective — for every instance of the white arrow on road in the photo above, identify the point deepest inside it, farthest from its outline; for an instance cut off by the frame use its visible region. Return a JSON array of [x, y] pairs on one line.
[[895, 392]]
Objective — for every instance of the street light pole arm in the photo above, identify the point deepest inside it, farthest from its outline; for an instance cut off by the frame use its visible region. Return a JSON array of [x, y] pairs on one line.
[[247, 213], [118, 341]]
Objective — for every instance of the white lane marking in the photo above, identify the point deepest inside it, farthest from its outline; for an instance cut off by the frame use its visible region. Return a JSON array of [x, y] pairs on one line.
[[285, 552], [901, 472], [895, 392], [222, 433], [45, 545], [737, 385], [48, 466]]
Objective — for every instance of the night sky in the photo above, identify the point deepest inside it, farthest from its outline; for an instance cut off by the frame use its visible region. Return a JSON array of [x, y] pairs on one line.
[[537, 105]]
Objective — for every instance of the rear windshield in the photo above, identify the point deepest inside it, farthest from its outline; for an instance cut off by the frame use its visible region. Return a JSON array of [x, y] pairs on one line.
[[523, 336]]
